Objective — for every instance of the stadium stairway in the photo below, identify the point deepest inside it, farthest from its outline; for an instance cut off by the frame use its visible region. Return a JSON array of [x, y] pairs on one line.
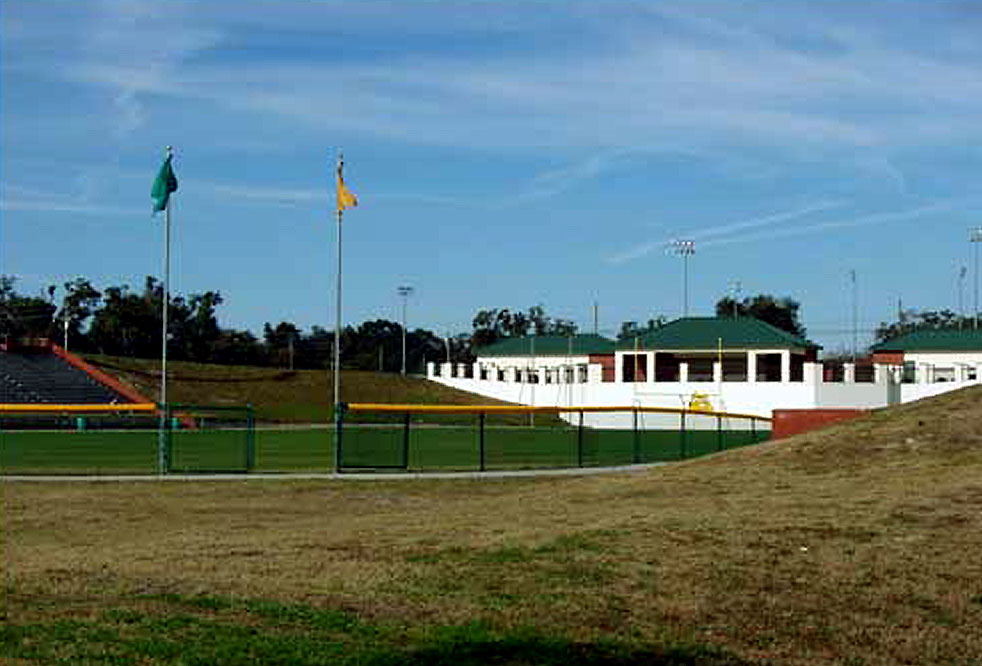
[[50, 375]]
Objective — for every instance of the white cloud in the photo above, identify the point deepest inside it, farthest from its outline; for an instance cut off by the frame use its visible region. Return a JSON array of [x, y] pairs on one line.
[[871, 219], [17, 198], [275, 195], [671, 78], [712, 235], [652, 84]]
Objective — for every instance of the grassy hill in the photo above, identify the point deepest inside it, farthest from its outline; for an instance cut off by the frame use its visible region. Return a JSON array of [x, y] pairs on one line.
[[284, 396], [859, 544]]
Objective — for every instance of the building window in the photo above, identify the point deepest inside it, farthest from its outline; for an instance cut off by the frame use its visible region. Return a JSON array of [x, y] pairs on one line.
[[768, 367], [833, 372], [797, 367], [634, 367], [865, 373], [909, 375], [700, 368], [734, 368], [666, 367]]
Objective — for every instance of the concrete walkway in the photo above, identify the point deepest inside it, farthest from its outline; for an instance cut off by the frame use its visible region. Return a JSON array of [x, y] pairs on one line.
[[331, 476]]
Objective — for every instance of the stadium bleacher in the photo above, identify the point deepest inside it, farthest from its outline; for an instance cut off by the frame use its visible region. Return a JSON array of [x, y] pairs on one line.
[[38, 376]]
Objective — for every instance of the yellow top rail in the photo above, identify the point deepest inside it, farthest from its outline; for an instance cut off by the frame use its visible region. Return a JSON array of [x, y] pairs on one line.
[[526, 409], [12, 408]]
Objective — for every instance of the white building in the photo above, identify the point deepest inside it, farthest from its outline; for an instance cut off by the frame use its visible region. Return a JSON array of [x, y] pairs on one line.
[[740, 365]]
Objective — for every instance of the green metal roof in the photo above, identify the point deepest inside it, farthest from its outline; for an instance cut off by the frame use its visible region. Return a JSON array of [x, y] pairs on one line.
[[969, 339], [708, 332], [548, 345]]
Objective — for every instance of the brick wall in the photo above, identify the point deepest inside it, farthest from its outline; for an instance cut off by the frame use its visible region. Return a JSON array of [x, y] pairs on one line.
[[788, 422]]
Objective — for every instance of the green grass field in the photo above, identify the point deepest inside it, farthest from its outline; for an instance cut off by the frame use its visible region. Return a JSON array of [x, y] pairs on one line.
[[856, 545], [430, 448]]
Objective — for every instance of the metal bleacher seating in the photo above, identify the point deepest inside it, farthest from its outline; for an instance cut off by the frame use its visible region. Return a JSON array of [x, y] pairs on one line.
[[42, 377]]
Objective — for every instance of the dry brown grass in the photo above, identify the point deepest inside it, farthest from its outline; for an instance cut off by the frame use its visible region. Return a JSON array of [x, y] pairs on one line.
[[277, 394], [858, 544]]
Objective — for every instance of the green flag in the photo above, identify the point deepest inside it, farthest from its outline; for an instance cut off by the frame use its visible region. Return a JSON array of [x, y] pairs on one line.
[[163, 185]]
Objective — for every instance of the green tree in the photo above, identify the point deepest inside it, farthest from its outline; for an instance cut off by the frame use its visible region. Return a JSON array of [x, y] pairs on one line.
[[781, 312], [128, 324], [489, 326], [79, 302], [281, 343], [630, 329], [23, 316], [237, 348], [909, 321], [203, 330]]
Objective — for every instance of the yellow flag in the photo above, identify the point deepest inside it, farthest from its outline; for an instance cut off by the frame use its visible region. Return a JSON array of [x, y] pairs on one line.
[[346, 198]]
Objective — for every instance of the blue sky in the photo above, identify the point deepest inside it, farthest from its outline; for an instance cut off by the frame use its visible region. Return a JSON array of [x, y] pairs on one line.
[[505, 154]]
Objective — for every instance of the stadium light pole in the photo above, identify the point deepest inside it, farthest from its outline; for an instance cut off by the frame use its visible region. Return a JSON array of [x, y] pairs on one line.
[[961, 295], [405, 291], [975, 237], [736, 288], [855, 314], [684, 248]]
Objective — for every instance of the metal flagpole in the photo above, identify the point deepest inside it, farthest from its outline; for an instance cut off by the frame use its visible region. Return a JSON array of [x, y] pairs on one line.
[[162, 462], [337, 329]]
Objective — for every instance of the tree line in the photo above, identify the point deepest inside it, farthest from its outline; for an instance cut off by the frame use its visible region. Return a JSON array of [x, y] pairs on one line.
[[121, 321]]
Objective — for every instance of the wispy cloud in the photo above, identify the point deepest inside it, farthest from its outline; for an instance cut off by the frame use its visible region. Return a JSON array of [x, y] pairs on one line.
[[712, 235], [854, 222], [19, 198], [648, 84], [134, 48], [553, 182], [280, 196]]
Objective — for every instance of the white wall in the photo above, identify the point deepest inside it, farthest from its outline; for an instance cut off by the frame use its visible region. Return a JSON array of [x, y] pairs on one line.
[[741, 397], [759, 398], [911, 392], [944, 358]]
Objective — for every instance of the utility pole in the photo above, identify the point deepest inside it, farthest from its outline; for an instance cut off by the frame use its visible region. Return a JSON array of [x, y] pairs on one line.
[[975, 237], [684, 248], [961, 293], [855, 314], [405, 292], [736, 288]]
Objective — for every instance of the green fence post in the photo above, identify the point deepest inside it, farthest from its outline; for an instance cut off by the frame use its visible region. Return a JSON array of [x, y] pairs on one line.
[[636, 442], [338, 435], [579, 442], [250, 438], [481, 437], [405, 443], [682, 452], [753, 428], [719, 432], [169, 435]]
